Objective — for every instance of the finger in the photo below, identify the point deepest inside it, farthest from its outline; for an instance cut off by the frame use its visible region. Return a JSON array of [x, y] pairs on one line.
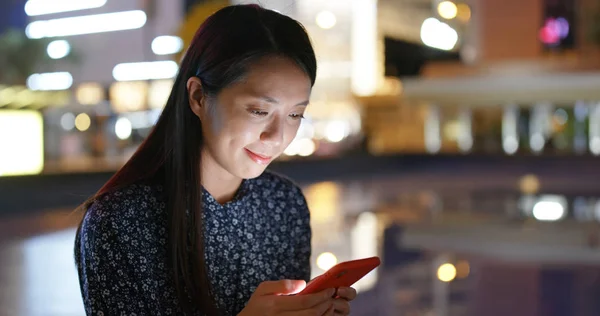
[[280, 287], [324, 308], [330, 311], [347, 293], [341, 306], [303, 302]]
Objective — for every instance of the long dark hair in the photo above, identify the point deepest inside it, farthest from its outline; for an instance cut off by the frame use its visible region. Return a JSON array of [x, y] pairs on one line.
[[224, 46]]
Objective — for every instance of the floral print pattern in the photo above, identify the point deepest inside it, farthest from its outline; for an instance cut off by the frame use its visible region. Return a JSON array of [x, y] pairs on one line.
[[121, 252]]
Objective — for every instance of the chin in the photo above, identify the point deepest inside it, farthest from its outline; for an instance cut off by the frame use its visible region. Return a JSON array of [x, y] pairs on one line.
[[252, 172]]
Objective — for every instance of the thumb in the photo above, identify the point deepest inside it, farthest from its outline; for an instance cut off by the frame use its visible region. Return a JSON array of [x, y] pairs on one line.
[[280, 287]]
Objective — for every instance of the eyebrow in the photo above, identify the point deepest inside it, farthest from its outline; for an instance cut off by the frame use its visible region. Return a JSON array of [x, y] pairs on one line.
[[272, 100]]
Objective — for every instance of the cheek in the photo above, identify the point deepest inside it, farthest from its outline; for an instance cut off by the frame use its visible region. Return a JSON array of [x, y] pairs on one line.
[[241, 133], [289, 134]]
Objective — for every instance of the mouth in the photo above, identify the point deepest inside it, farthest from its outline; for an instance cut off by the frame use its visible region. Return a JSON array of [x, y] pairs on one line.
[[258, 158]]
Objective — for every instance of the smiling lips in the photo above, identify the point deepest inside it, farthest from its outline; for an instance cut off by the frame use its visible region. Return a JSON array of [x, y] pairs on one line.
[[259, 159]]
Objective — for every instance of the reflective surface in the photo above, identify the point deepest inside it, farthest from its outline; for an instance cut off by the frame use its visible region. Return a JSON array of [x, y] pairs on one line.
[[436, 248]]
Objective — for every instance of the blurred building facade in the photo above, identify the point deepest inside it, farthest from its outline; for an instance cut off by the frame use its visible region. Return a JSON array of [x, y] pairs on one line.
[[426, 76]]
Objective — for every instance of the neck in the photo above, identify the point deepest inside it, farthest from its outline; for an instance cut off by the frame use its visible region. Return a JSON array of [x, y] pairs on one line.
[[221, 184]]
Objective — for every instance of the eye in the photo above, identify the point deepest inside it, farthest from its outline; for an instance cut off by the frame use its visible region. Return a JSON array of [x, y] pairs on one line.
[[297, 116], [258, 113]]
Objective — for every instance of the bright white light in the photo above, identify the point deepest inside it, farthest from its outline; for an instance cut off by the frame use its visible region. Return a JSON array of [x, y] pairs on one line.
[[363, 242], [167, 45], [305, 147], [50, 81], [326, 261], [89, 24], [548, 210], [365, 57], [67, 121], [41, 7], [438, 35], [336, 131], [326, 20], [446, 272], [537, 142], [21, 142], [145, 70], [447, 10], [58, 49], [123, 128], [510, 145], [595, 146]]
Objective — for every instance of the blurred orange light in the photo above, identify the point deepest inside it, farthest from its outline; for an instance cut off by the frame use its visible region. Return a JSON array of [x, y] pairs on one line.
[[463, 12]]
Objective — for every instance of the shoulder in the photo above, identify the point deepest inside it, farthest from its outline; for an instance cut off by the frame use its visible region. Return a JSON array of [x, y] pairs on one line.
[[281, 190], [126, 211], [278, 185]]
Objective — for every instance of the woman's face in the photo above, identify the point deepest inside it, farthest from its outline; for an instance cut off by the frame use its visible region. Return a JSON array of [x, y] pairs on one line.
[[251, 122]]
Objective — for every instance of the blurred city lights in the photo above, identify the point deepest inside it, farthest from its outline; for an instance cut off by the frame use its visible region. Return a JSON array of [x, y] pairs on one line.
[[595, 146], [326, 19], [554, 30], [537, 142], [447, 10], [7, 96], [25, 97], [446, 272], [464, 12], [301, 146], [41, 7], [364, 244], [167, 45], [433, 138], [123, 128], [529, 184], [89, 93], [145, 70], [463, 269], [510, 144], [99, 23], [510, 136], [365, 60], [336, 131], [438, 34], [306, 147], [159, 92], [21, 142], [326, 261], [550, 208], [58, 49], [67, 121], [50, 81], [83, 122], [129, 96], [560, 116]]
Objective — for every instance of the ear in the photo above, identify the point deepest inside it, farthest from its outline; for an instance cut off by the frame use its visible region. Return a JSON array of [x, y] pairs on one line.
[[196, 96]]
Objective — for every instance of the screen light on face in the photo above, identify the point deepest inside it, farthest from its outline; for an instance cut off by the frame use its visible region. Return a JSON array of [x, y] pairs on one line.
[[21, 143]]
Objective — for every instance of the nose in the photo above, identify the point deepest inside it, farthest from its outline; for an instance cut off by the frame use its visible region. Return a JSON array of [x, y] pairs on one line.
[[272, 135]]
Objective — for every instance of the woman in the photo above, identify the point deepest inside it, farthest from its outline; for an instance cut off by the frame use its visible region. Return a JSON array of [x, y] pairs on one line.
[[192, 224]]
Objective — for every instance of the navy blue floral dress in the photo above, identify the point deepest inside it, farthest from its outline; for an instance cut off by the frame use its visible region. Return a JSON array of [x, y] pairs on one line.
[[121, 251]]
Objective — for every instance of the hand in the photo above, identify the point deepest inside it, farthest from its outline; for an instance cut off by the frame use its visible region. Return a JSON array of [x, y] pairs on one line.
[[272, 298], [341, 303]]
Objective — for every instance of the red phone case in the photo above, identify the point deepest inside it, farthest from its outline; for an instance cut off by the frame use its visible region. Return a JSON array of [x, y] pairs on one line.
[[343, 274]]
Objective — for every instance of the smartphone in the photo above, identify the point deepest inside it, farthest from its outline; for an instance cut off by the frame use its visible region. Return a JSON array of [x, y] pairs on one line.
[[343, 274]]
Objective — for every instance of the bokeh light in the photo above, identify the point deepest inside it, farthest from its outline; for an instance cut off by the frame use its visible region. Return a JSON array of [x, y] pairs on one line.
[[446, 272], [447, 10], [326, 261], [83, 122]]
